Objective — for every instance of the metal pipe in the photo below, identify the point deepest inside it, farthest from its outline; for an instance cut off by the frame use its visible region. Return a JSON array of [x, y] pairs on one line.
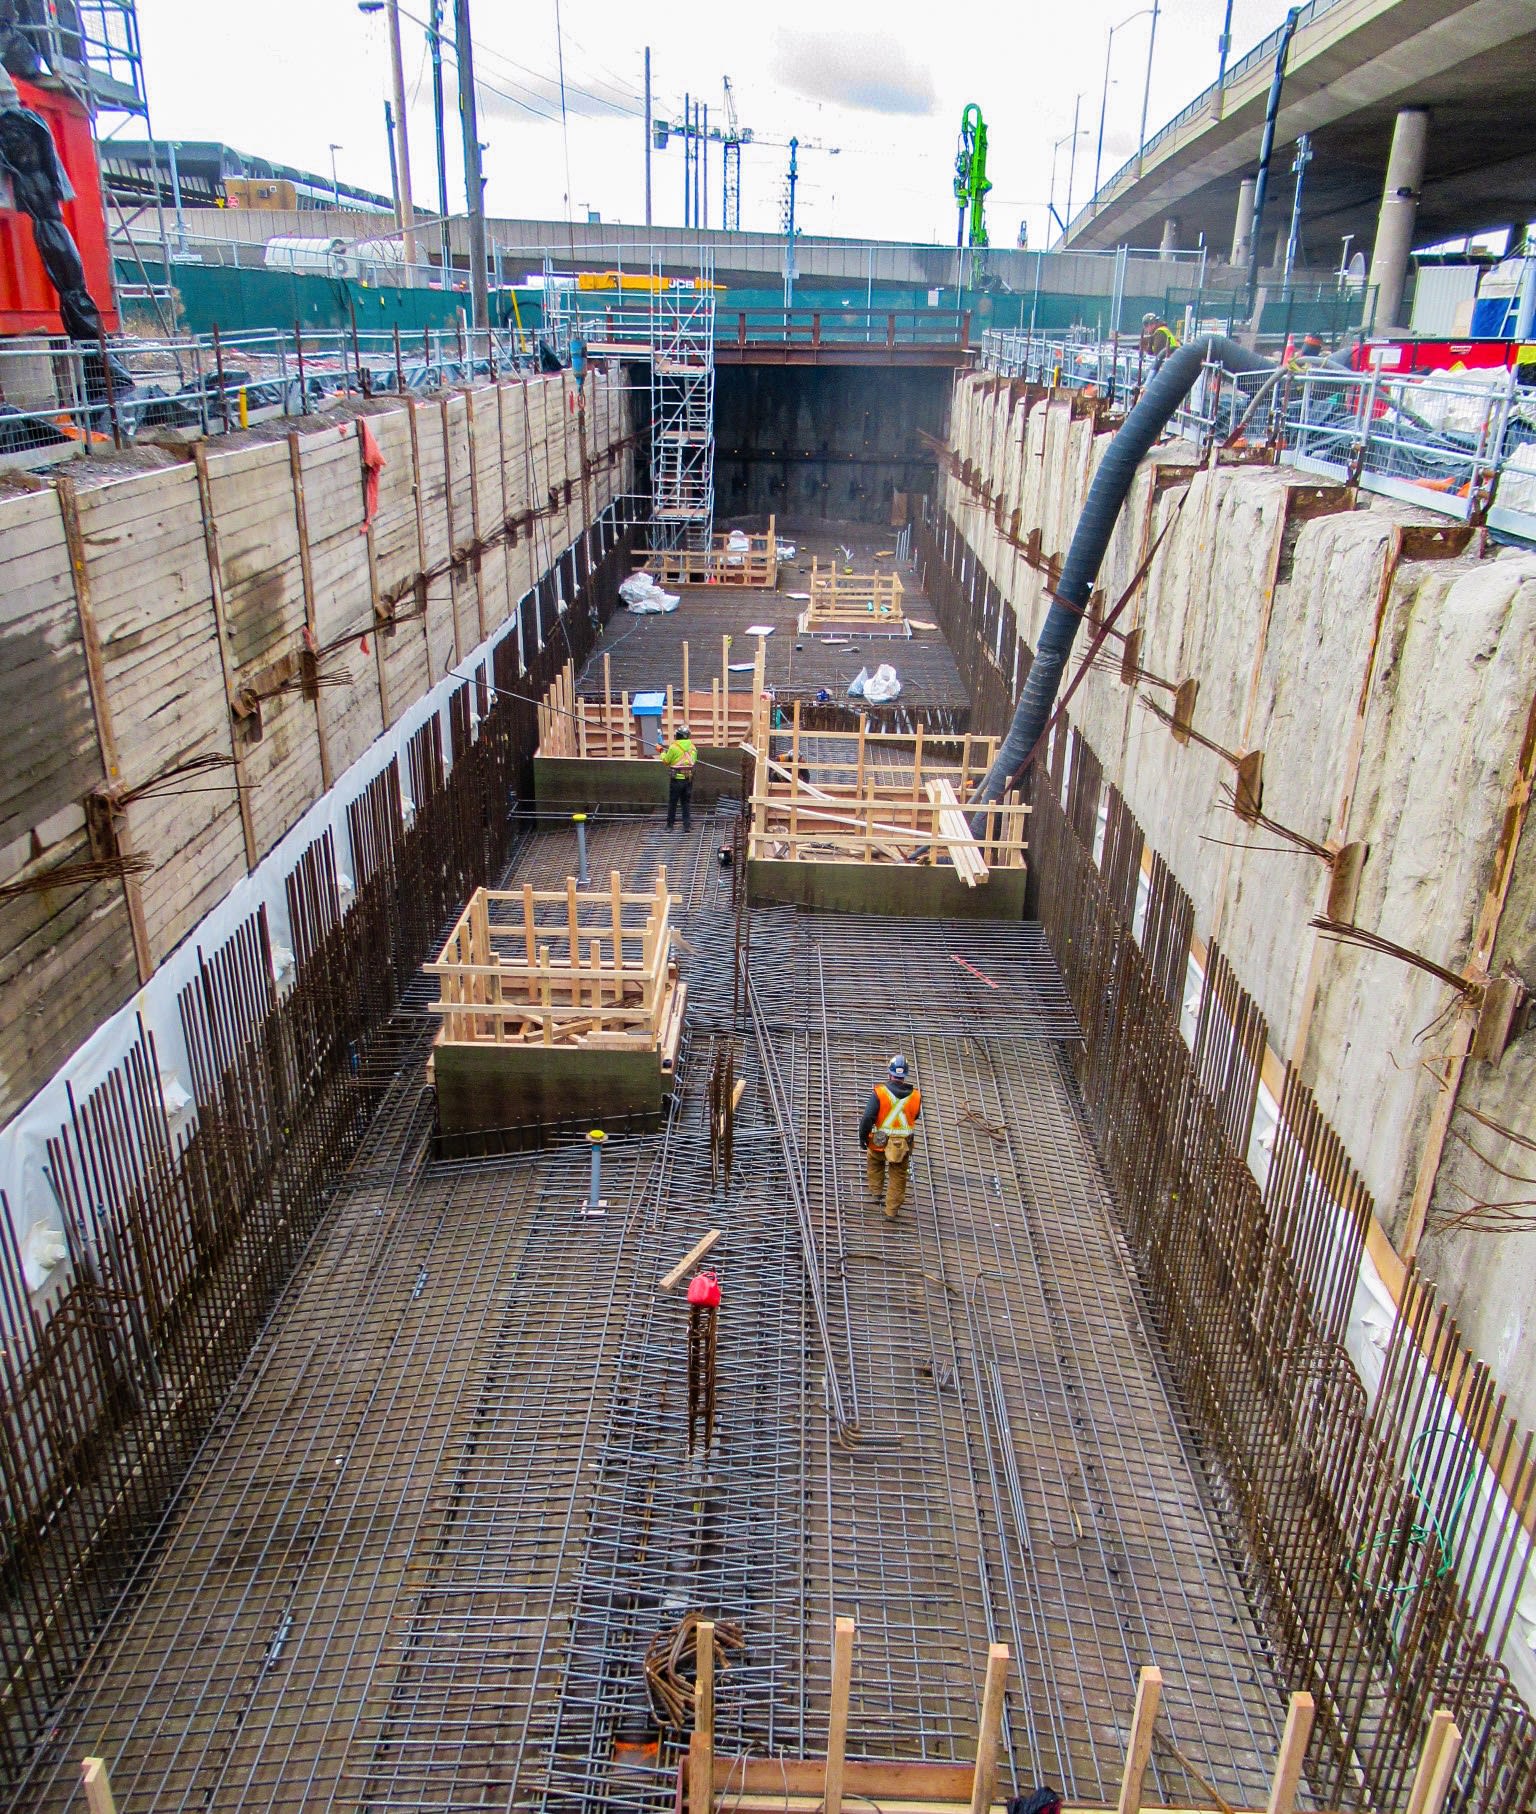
[[579, 820], [1266, 150]]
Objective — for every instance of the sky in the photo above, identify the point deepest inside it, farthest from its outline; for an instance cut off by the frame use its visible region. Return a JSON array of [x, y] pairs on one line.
[[874, 92]]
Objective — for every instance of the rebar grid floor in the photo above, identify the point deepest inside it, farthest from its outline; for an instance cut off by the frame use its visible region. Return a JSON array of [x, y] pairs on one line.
[[449, 1507]]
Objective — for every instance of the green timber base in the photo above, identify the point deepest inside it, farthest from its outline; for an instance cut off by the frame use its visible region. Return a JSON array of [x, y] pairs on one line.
[[913, 890], [587, 784], [486, 1088]]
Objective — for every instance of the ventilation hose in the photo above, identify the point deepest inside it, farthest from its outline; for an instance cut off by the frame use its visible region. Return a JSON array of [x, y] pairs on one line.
[[1111, 485]]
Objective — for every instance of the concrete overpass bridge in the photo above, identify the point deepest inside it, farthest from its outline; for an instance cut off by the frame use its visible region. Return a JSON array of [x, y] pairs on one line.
[[1451, 82]]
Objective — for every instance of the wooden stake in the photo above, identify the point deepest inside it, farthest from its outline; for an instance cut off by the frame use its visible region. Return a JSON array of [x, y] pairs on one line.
[[1149, 1691], [837, 1719], [1293, 1751], [701, 1754], [687, 697], [989, 1738], [98, 1789], [1432, 1780], [670, 1281]]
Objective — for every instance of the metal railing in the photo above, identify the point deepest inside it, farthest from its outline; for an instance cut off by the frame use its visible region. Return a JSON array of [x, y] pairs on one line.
[[62, 399], [812, 327], [1460, 445]]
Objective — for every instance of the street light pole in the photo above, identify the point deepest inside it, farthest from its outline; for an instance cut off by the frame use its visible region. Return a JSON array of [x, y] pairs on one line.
[[474, 183], [1109, 48], [1146, 93], [1072, 159], [335, 185], [647, 135]]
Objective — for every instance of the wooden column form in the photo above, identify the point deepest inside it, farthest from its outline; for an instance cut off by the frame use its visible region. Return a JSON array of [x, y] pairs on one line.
[[97, 1786], [216, 580], [101, 711]]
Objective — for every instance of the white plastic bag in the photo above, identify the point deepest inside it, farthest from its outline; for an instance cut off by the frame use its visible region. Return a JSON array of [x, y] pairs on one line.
[[882, 685], [857, 685]]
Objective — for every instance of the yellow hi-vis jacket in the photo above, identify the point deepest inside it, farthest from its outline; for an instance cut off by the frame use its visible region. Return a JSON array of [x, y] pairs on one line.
[[680, 755], [896, 1115]]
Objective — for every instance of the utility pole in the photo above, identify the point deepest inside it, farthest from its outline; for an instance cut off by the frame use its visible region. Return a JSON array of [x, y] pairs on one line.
[[789, 227], [400, 145], [435, 51], [687, 167], [647, 135], [1146, 93], [1223, 51], [704, 164], [474, 185]]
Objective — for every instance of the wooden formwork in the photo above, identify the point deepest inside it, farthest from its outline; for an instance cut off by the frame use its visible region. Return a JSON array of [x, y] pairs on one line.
[[881, 799], [602, 726], [532, 966], [755, 567], [870, 602], [711, 1783]]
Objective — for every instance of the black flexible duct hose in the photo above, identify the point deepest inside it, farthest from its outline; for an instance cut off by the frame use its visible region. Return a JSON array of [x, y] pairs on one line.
[[1111, 483]]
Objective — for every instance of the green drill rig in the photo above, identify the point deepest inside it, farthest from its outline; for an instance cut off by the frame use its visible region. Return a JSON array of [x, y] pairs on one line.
[[971, 185]]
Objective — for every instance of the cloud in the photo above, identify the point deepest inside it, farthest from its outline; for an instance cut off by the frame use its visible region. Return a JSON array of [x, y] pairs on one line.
[[862, 70]]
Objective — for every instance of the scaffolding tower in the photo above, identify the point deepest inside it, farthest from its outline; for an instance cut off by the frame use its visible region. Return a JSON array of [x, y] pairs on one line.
[[683, 414], [666, 324]]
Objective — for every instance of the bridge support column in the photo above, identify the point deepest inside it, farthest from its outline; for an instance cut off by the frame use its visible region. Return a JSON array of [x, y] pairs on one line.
[[1242, 230], [1170, 240], [1399, 210]]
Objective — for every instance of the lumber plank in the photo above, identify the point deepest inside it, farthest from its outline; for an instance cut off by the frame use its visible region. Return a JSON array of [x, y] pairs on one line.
[[671, 1280]]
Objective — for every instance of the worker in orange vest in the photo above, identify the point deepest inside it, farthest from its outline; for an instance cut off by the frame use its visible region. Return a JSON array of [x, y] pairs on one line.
[[887, 1132]]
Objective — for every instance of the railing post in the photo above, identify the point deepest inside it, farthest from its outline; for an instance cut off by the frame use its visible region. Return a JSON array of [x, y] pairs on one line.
[[890, 327], [815, 327], [965, 327], [741, 327]]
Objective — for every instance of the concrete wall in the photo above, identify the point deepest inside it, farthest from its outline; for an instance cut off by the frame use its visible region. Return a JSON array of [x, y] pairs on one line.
[[824, 441], [1387, 676], [156, 617]]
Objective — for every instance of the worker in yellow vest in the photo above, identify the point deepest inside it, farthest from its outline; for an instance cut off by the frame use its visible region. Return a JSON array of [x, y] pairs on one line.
[[887, 1132], [681, 756]]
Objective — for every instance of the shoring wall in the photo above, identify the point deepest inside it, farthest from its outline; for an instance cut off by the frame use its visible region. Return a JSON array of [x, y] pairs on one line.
[[1381, 661], [189, 655], [183, 1227]]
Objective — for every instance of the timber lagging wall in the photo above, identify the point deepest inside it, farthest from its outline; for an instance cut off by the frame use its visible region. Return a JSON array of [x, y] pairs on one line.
[[189, 656], [182, 1231]]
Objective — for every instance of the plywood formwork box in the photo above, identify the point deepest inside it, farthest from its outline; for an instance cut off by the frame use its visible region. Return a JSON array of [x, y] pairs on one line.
[[559, 1008]]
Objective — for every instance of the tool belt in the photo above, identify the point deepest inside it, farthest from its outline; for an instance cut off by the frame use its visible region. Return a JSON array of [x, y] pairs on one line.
[[897, 1148]]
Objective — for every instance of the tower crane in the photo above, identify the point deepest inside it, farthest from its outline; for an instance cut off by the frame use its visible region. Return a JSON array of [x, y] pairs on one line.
[[697, 137]]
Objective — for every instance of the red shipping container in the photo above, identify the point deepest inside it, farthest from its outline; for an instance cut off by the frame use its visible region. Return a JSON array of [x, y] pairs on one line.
[[28, 304]]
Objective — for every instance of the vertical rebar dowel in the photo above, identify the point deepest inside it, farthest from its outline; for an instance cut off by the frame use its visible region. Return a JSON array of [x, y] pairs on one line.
[[703, 1319], [595, 1140], [579, 820]]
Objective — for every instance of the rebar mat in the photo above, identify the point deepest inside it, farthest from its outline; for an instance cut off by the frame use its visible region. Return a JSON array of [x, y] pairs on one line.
[[450, 1507]]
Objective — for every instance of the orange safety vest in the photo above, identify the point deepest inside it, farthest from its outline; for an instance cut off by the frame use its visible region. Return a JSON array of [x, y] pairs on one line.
[[898, 1115]]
